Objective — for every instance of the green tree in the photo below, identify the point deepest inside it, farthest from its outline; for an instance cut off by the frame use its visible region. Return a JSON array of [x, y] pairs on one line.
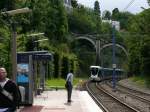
[[106, 28], [122, 17], [148, 2], [115, 13], [97, 8], [56, 65], [7, 4], [97, 16], [106, 15], [57, 25], [47, 16], [65, 67], [5, 48], [139, 43], [39, 14], [74, 3], [82, 20], [145, 54]]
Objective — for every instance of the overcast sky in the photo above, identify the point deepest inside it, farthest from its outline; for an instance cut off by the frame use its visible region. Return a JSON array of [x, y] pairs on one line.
[[120, 4]]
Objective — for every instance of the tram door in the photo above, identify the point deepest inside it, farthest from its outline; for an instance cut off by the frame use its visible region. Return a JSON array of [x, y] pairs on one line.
[[25, 78]]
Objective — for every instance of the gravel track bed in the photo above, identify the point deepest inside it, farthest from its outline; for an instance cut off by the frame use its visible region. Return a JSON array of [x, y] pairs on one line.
[[129, 99], [111, 104], [135, 92]]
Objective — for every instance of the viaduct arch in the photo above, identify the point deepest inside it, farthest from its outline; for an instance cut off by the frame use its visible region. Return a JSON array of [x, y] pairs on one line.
[[99, 46]]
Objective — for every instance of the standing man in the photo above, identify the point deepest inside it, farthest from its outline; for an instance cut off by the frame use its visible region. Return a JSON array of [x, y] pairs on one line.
[[69, 82], [9, 93]]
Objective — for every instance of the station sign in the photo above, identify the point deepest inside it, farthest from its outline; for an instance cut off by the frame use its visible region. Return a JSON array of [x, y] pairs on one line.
[[114, 65]]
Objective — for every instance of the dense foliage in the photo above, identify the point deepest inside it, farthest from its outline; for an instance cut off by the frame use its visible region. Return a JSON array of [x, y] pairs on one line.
[[48, 16], [135, 35], [148, 2], [138, 44], [58, 24], [81, 21]]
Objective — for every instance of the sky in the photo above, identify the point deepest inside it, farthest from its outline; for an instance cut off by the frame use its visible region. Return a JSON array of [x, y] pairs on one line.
[[120, 4]]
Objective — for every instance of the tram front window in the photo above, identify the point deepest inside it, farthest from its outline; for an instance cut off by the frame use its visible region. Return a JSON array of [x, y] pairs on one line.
[[94, 71]]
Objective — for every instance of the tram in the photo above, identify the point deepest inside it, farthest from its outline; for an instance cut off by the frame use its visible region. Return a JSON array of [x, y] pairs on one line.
[[97, 73]]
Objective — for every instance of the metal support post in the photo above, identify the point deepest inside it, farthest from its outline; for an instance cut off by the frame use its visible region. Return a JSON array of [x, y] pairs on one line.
[[14, 51], [98, 58], [113, 59]]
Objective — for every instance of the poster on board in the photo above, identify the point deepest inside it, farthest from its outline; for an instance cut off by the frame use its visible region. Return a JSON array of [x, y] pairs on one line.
[[23, 73]]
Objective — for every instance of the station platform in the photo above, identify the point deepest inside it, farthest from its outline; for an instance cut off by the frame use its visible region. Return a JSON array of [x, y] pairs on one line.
[[56, 101]]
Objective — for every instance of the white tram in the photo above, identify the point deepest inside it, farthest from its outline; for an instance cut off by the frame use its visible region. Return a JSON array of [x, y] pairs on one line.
[[98, 72], [95, 72]]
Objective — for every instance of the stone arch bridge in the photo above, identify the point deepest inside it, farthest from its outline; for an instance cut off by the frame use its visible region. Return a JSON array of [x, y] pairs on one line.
[[98, 44]]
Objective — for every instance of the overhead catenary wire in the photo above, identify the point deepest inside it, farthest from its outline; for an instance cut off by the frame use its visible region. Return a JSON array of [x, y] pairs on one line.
[[130, 3]]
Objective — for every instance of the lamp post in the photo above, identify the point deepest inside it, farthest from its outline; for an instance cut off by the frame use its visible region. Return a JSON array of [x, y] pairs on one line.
[[14, 35], [36, 34], [113, 58], [40, 41]]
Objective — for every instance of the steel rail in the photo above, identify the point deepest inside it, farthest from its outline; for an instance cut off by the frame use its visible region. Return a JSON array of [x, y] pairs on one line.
[[134, 90], [95, 99], [125, 104], [133, 95]]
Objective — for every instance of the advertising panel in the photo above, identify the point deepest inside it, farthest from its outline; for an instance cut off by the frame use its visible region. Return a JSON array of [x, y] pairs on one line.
[[22, 73]]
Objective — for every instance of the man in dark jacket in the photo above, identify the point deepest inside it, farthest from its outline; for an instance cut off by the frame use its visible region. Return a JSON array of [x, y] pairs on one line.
[[9, 93], [69, 82]]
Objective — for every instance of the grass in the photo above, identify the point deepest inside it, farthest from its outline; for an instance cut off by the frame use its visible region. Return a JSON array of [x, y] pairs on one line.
[[139, 80], [55, 82], [61, 82]]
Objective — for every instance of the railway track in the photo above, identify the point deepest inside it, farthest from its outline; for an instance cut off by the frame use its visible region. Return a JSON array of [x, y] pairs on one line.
[[137, 94], [135, 98], [106, 101], [140, 94]]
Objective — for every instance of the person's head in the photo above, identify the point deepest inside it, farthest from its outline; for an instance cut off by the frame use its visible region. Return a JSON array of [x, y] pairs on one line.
[[71, 71], [3, 73]]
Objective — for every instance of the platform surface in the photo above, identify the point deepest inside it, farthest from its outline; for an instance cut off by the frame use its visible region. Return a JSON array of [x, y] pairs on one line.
[[56, 101]]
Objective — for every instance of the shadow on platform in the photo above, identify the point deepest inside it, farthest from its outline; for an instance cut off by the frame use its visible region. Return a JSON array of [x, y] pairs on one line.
[[32, 109]]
